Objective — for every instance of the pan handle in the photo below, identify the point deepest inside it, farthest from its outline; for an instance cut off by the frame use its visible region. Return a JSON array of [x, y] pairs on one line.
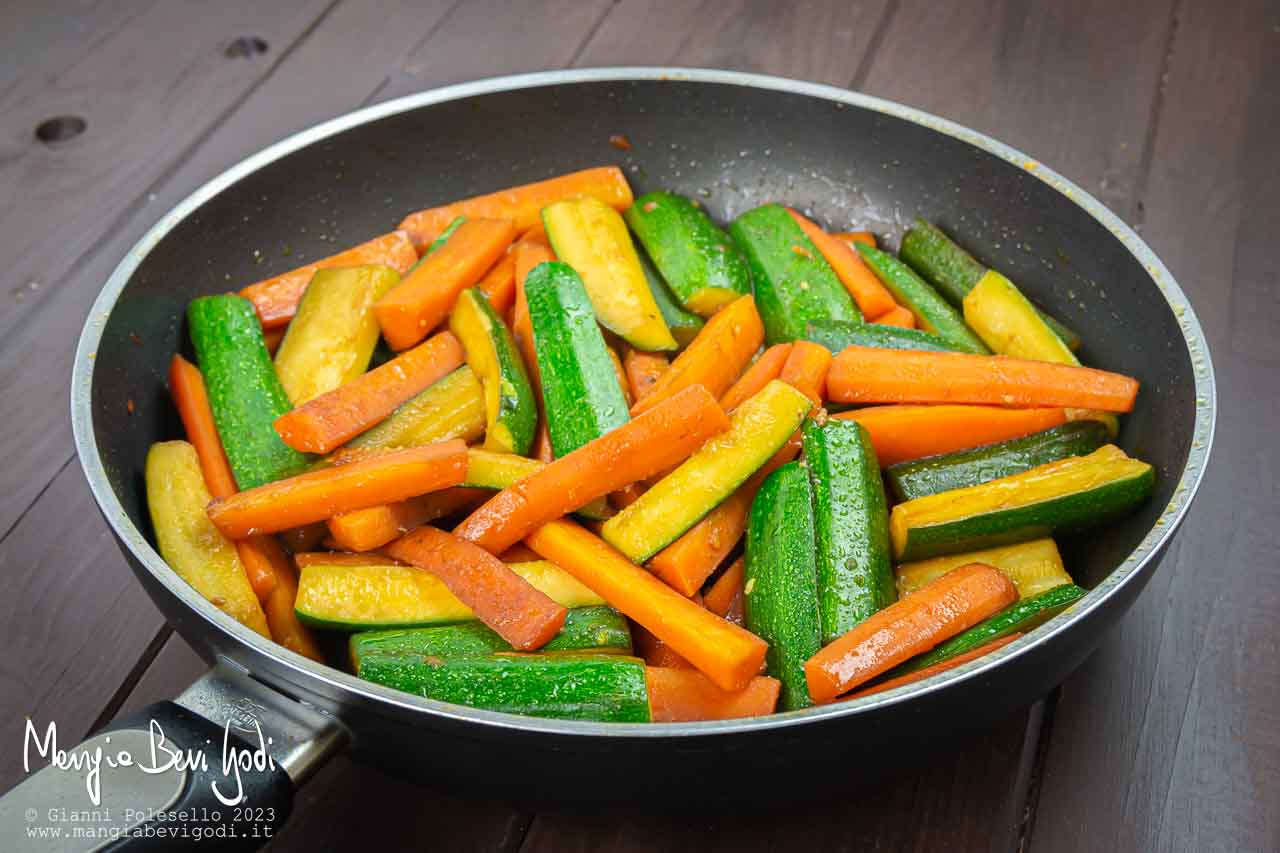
[[215, 769]]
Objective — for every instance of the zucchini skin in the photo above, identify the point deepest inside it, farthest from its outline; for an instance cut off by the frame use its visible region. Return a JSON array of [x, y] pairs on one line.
[[244, 392], [580, 391], [933, 312], [837, 336], [511, 410], [451, 407], [702, 266], [954, 272], [947, 471], [683, 325], [851, 525], [1022, 616], [794, 285], [600, 630], [606, 688], [780, 591]]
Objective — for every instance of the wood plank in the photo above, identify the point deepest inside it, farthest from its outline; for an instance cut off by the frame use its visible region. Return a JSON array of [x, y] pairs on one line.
[[812, 40], [1169, 738]]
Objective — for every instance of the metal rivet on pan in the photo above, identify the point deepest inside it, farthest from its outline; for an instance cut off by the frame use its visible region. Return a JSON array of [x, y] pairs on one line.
[[51, 131], [244, 47]]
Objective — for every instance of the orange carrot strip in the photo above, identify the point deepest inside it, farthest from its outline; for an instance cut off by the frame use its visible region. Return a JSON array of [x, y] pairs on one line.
[[281, 618], [806, 370], [729, 655], [872, 297], [902, 433], [865, 237], [409, 311], [523, 204], [304, 538], [537, 234], [542, 450], [715, 357], [958, 600], [900, 316], [765, 369], [521, 614], [950, 663], [529, 253], [652, 442], [273, 337], [728, 587], [276, 298], [387, 477], [323, 423], [872, 375], [685, 695], [621, 372], [186, 384], [499, 284], [643, 370], [519, 553], [627, 495], [686, 563], [367, 529], [653, 651]]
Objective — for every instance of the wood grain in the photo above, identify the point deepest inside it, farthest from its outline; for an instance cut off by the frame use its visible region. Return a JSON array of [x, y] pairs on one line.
[[1167, 738]]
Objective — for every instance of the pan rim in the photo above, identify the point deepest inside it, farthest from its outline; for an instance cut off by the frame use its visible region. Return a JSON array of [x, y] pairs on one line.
[[303, 673]]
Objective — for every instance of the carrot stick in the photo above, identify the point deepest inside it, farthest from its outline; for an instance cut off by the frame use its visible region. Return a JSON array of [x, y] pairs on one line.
[[323, 423], [729, 655], [529, 253], [902, 433], [656, 440], [900, 316], [643, 370], [949, 663], [653, 651], [686, 563], [765, 369], [871, 375], [685, 695], [627, 495], [806, 370], [276, 298], [409, 311], [281, 618], [522, 615], [273, 337], [872, 297], [726, 590], [519, 553], [537, 233], [367, 529], [304, 538], [715, 357], [386, 477], [523, 204], [621, 372], [499, 284], [958, 600], [542, 450], [865, 237], [186, 384]]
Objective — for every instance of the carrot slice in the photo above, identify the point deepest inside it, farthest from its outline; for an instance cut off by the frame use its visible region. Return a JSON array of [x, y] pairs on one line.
[[653, 651], [367, 529], [949, 663], [872, 375], [652, 442], [872, 297], [715, 357], [186, 384], [902, 433], [686, 563], [278, 606], [806, 370], [523, 204], [304, 538], [727, 589], [643, 370], [276, 298], [686, 695], [958, 600], [900, 316], [385, 477], [864, 237], [409, 311], [621, 372], [499, 283], [519, 553], [323, 423], [521, 614], [729, 655], [273, 337], [529, 253], [766, 368]]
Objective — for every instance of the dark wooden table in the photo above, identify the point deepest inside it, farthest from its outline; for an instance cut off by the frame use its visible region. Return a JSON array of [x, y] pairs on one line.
[[1167, 110]]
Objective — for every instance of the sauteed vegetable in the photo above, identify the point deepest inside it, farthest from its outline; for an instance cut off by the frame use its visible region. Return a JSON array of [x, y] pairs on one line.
[[615, 462]]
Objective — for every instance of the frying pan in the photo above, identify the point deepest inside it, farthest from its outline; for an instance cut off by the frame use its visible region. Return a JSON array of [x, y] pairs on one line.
[[733, 141]]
